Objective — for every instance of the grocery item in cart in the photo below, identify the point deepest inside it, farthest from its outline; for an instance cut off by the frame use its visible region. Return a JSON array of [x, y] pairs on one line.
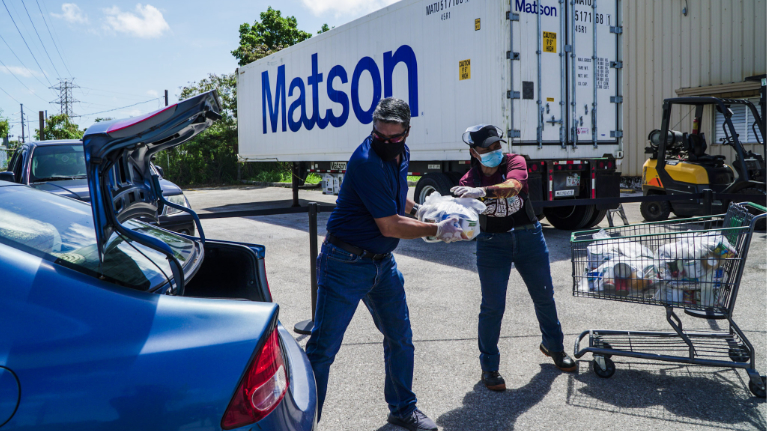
[[622, 276], [693, 255], [437, 208], [607, 249]]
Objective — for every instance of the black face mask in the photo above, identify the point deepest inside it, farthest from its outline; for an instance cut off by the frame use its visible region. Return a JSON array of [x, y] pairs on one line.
[[387, 151]]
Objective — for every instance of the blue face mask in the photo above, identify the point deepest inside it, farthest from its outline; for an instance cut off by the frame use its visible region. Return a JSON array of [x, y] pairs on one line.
[[492, 159]]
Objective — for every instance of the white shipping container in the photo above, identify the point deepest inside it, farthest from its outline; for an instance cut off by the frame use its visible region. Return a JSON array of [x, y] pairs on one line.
[[542, 72]]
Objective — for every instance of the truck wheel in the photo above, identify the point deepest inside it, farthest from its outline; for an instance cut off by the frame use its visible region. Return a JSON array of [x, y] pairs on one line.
[[455, 177], [655, 211], [597, 218], [569, 218], [430, 183]]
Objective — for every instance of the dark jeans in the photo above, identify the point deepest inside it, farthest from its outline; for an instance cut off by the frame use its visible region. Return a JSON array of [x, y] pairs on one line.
[[528, 251], [344, 279]]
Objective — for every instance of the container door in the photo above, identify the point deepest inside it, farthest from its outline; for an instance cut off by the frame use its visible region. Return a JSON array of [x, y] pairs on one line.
[[538, 91], [593, 31]]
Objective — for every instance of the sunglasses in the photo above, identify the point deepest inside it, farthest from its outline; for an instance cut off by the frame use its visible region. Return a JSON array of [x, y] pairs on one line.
[[394, 139]]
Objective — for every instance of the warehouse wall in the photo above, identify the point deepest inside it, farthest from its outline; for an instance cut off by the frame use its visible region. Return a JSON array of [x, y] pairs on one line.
[[718, 42]]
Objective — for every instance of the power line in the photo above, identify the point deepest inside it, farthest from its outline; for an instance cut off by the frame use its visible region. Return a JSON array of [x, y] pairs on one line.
[[20, 62], [20, 82], [122, 107], [25, 43], [1, 89], [52, 38], [40, 39]]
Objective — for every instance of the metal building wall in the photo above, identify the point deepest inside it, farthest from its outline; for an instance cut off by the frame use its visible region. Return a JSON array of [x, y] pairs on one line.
[[718, 42]]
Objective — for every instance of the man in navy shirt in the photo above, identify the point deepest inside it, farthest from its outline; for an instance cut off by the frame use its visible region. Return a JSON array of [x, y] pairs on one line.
[[356, 262]]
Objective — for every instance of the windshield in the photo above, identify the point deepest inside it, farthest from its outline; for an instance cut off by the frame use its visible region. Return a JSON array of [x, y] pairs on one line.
[[57, 162], [61, 230]]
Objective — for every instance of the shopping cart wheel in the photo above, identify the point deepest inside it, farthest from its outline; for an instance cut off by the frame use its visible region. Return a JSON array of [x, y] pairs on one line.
[[739, 354], [603, 367], [760, 393], [603, 345]]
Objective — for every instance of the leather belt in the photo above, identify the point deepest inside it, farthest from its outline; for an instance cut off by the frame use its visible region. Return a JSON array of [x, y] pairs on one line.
[[345, 246]]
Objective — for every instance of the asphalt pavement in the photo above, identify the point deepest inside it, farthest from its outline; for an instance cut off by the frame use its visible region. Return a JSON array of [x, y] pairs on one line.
[[443, 295]]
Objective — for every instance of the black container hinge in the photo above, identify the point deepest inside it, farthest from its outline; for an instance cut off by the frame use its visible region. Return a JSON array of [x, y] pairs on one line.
[[616, 133], [512, 55], [512, 16], [616, 99], [514, 134], [616, 64], [512, 94], [616, 30]]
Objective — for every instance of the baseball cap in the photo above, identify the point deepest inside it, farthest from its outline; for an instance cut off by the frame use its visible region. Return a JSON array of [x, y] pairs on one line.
[[482, 135]]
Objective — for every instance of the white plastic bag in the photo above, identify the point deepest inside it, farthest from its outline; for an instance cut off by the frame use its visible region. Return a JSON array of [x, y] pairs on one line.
[[437, 208]]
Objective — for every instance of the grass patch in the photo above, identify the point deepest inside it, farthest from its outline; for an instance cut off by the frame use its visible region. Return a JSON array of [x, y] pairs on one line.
[[413, 178], [283, 177]]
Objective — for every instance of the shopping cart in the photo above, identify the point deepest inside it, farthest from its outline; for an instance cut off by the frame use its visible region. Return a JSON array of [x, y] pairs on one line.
[[695, 264]]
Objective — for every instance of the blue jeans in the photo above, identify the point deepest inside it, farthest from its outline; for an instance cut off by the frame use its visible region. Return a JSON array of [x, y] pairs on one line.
[[344, 279], [528, 251]]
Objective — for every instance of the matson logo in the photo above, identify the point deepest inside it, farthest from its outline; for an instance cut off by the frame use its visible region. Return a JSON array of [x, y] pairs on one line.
[[275, 103], [523, 6]]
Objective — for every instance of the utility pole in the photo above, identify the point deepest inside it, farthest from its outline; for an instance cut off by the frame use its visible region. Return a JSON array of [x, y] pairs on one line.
[[42, 124], [166, 97], [22, 123], [66, 99]]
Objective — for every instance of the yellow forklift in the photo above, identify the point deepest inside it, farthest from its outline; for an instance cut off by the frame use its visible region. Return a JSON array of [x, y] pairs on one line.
[[678, 163]]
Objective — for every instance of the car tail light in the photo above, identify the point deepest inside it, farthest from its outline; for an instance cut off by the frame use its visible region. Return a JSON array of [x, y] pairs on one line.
[[261, 389]]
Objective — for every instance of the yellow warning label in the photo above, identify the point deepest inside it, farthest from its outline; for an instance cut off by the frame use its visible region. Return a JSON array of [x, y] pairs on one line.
[[476, 24], [549, 99], [464, 70], [549, 41]]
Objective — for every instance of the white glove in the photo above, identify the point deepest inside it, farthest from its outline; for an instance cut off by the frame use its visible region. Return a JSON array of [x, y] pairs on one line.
[[468, 192], [449, 230]]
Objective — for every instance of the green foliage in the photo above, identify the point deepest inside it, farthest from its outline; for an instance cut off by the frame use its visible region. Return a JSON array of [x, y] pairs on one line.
[[211, 157], [59, 127], [99, 119], [324, 28], [273, 33], [5, 126]]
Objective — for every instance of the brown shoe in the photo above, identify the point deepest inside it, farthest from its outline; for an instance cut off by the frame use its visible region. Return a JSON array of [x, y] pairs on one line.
[[493, 381], [561, 360]]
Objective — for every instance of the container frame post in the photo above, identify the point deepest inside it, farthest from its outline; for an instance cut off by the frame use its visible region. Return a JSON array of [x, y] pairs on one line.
[[305, 327]]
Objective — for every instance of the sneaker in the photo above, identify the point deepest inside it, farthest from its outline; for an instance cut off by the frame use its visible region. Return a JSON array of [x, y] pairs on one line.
[[417, 421], [493, 381], [561, 360]]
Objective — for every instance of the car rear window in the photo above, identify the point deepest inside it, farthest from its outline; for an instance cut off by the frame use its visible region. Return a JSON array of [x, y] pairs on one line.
[[61, 229]]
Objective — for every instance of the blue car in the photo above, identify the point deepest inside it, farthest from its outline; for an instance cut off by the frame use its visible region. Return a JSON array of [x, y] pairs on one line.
[[110, 323], [58, 167]]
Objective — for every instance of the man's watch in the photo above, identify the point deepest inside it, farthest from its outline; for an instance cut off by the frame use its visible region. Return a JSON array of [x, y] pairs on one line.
[[414, 210]]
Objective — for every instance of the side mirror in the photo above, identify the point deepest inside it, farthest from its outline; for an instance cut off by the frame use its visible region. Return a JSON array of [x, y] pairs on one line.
[[160, 171], [7, 176]]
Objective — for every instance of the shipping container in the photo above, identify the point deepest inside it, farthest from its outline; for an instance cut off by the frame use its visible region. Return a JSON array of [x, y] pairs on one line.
[[547, 73]]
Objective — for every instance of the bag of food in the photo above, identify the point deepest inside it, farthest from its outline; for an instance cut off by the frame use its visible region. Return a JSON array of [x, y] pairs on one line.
[[437, 208]]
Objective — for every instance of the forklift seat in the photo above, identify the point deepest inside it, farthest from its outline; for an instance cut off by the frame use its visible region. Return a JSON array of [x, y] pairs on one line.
[[696, 150]]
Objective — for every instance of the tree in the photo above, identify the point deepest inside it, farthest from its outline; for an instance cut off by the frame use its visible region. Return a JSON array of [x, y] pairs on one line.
[[5, 126], [59, 127], [324, 28], [268, 36]]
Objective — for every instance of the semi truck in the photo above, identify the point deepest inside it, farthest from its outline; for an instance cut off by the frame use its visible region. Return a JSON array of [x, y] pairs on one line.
[[548, 73]]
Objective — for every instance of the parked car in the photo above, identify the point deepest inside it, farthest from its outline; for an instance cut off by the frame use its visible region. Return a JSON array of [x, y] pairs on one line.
[[112, 323], [58, 167]]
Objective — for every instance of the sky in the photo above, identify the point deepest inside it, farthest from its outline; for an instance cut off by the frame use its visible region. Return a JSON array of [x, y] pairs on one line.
[[123, 55]]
